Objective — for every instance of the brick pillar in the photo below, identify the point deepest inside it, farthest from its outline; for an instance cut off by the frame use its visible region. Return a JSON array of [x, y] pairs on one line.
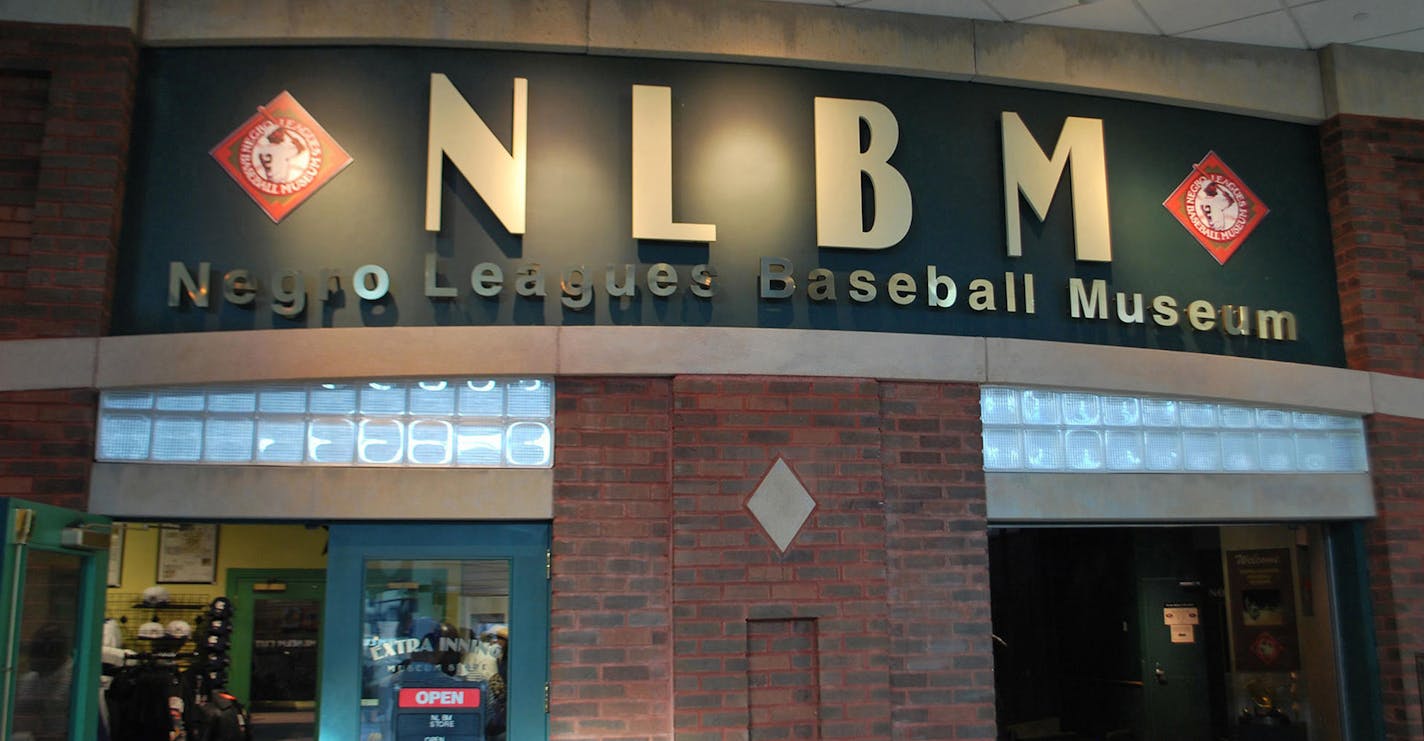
[[66, 103], [1396, 546], [65, 117], [46, 446], [611, 671], [735, 590], [942, 661], [1374, 170]]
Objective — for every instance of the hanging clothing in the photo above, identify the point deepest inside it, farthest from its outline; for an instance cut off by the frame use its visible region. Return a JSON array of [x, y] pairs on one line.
[[145, 704], [221, 718]]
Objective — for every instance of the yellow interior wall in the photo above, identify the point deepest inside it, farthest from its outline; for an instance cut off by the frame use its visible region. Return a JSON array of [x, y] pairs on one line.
[[239, 547]]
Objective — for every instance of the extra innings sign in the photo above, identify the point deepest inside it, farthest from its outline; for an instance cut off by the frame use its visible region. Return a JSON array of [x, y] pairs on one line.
[[494, 188]]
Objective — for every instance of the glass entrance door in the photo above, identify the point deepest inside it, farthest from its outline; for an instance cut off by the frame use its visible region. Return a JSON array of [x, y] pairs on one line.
[[51, 593], [436, 631]]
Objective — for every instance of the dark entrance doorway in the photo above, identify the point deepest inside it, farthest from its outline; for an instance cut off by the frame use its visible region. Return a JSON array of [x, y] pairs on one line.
[[1111, 634], [276, 648]]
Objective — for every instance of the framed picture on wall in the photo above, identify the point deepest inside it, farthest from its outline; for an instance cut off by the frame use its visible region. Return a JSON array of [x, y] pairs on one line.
[[116, 555], [187, 554]]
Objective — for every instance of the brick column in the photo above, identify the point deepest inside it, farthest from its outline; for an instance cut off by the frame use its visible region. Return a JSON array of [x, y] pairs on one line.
[[771, 642], [65, 117], [66, 104], [610, 637], [942, 661], [1374, 171]]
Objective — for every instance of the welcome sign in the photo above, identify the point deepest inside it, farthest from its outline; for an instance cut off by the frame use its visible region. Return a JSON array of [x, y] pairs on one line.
[[538, 189]]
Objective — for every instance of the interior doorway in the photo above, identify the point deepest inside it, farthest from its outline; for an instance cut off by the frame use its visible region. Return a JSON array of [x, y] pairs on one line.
[[276, 648], [1161, 634]]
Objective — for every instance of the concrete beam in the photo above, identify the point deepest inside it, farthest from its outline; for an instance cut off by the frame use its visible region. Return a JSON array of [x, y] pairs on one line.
[[117, 13], [1285, 84], [1172, 373], [785, 33], [165, 491], [376, 352], [1092, 498], [671, 351], [1234, 78], [365, 352], [1372, 82], [522, 24], [31, 365]]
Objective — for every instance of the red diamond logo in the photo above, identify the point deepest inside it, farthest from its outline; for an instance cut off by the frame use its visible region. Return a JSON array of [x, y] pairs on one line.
[[1214, 206], [280, 156], [1267, 649]]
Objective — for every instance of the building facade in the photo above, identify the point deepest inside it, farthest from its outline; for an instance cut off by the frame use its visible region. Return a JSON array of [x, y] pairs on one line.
[[782, 524]]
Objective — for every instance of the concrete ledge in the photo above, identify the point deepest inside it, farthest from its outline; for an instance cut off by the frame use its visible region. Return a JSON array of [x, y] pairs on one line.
[[47, 364], [1178, 497], [160, 491], [367, 352], [524, 24], [1397, 395], [119, 13], [1372, 82], [405, 352], [673, 351], [1276, 83], [784, 33], [1235, 78], [1068, 365]]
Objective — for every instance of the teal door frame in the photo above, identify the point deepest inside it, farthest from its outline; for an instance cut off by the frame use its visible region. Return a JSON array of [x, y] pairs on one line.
[[240, 583], [30, 526], [524, 545]]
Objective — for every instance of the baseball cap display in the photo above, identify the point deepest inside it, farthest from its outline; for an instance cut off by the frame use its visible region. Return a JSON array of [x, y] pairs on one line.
[[152, 629], [180, 629], [154, 596], [221, 608], [214, 642]]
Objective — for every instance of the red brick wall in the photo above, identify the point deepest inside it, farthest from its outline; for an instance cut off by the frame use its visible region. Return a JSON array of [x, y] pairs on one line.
[[783, 680], [1374, 170], [942, 661], [46, 445], [1375, 179], [1395, 540], [66, 100], [675, 613], [728, 432], [611, 636]]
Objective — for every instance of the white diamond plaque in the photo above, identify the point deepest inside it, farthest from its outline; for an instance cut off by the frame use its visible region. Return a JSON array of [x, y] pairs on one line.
[[781, 504]]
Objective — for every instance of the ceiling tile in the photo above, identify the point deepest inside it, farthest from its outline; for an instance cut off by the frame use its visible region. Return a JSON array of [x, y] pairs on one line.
[[1104, 15], [1348, 21], [1175, 16], [1271, 29], [1017, 10], [1410, 41], [952, 8]]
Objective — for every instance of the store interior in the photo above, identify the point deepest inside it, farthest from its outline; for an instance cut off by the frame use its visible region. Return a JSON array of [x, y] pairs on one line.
[[164, 579], [1112, 633], [1162, 633]]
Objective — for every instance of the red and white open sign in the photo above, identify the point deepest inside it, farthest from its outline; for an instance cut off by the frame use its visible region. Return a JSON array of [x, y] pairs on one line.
[[439, 698]]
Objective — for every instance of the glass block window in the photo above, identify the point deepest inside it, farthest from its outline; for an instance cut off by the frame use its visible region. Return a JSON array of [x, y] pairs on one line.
[[1045, 430], [468, 422]]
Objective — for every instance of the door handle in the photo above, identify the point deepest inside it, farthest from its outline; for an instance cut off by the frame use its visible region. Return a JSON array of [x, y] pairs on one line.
[[1159, 673]]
